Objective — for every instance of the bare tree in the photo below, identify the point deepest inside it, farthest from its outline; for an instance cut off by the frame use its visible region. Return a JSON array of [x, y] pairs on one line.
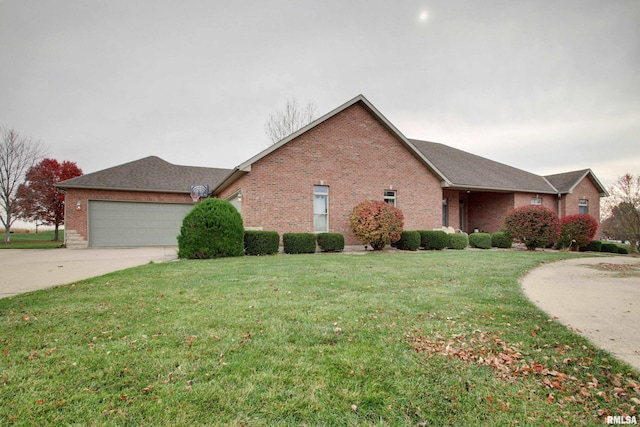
[[623, 206], [283, 123], [17, 155]]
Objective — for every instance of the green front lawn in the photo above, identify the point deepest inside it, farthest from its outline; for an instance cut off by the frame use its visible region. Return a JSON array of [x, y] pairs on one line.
[[33, 240], [397, 338]]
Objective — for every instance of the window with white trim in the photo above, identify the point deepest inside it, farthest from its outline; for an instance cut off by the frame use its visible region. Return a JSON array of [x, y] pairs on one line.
[[390, 197], [320, 208], [583, 206], [536, 201]]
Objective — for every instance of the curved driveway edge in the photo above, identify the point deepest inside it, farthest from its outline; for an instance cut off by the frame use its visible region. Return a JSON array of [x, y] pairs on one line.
[[598, 298], [25, 270]]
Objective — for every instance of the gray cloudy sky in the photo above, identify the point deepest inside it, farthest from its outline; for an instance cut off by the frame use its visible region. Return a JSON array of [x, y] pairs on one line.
[[544, 85]]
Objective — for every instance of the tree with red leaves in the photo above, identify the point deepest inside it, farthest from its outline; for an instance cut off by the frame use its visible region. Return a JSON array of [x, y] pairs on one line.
[[39, 199]]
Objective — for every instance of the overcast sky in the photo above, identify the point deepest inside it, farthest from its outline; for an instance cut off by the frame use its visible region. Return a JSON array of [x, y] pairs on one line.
[[544, 85]]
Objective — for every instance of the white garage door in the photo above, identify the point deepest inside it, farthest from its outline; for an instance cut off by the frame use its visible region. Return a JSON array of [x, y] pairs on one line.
[[135, 223]]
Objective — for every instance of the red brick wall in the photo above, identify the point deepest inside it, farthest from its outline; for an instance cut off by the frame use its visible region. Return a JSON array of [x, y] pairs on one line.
[[487, 211], [357, 158], [584, 190], [76, 219]]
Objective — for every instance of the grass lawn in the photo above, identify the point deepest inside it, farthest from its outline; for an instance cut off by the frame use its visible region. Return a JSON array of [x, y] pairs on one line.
[[33, 240], [396, 338]]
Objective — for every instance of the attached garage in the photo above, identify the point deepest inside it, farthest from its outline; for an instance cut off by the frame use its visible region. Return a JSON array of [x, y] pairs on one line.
[[141, 203], [135, 223]]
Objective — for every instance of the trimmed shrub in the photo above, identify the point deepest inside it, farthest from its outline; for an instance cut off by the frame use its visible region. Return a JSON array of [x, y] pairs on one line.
[[299, 243], [609, 247], [258, 242], [433, 239], [623, 250], [593, 246], [576, 231], [330, 242], [535, 226], [409, 241], [501, 239], [480, 240], [458, 241], [212, 229], [376, 223]]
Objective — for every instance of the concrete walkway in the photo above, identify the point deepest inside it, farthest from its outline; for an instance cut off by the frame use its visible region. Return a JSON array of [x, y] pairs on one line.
[[598, 298], [25, 270]]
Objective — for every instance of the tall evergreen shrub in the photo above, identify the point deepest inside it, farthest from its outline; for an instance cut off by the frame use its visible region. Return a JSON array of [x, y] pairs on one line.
[[212, 229]]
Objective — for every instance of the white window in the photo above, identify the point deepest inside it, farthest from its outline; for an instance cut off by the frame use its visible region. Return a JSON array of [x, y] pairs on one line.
[[583, 206], [536, 201], [320, 208], [390, 197]]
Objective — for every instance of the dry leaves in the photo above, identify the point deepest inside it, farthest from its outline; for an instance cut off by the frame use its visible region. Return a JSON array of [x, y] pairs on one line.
[[489, 350]]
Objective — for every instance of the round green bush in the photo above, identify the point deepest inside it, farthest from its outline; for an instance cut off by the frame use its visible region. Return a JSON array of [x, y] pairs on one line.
[[212, 229], [299, 243], [609, 247], [259, 242], [593, 246], [622, 250], [433, 239], [409, 241], [330, 242], [458, 241], [501, 239], [480, 240]]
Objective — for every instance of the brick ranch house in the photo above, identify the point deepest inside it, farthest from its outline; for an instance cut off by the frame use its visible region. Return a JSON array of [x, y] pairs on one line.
[[311, 180]]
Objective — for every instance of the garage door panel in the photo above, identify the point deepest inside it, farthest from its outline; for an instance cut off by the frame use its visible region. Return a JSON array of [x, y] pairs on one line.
[[135, 223]]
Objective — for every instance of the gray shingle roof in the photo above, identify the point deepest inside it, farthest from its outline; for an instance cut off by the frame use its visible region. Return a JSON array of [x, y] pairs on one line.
[[567, 181], [149, 174], [466, 170]]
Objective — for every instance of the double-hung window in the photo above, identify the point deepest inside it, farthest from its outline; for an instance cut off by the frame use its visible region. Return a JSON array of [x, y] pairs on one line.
[[320, 208], [390, 197], [583, 206]]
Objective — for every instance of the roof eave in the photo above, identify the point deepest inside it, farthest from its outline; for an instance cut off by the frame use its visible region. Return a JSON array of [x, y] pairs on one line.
[[232, 177], [146, 190], [465, 187]]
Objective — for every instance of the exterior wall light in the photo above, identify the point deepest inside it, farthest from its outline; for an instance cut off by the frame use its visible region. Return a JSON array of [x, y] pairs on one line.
[[78, 205], [239, 196]]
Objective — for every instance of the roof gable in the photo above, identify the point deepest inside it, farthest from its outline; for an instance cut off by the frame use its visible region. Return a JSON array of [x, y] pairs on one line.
[[246, 166], [148, 174], [567, 181]]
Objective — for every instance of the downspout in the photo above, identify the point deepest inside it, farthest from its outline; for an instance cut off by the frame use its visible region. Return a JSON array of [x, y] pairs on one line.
[[559, 205]]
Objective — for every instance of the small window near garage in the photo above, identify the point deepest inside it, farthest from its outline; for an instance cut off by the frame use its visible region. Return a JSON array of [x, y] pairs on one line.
[[537, 201], [583, 206], [320, 208], [445, 213], [390, 197]]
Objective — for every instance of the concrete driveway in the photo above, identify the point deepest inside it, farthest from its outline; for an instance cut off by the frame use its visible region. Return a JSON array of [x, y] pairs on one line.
[[25, 270], [598, 298]]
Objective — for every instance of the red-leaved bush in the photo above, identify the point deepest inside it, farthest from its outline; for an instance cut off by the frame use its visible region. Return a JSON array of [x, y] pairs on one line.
[[376, 223], [535, 226], [577, 231]]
